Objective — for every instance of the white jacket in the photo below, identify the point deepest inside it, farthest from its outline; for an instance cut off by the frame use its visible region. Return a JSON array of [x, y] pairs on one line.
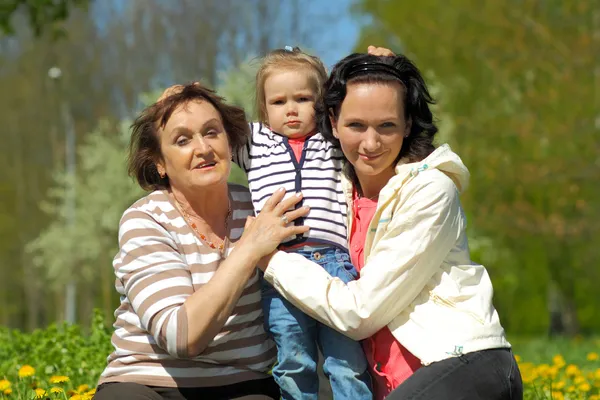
[[418, 278]]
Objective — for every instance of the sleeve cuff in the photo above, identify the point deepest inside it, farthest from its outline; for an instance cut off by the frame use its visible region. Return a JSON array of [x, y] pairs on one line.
[[276, 261]]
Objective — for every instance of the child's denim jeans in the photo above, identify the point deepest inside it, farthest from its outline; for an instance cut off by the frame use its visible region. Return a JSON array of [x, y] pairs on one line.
[[297, 336]]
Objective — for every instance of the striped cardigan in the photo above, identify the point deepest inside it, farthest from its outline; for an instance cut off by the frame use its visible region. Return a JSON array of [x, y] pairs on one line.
[[269, 162], [161, 262]]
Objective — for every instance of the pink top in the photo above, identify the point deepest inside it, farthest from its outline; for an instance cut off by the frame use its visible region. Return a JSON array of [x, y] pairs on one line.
[[297, 145], [391, 364]]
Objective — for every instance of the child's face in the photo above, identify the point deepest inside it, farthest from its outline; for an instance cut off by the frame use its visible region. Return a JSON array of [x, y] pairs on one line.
[[290, 100]]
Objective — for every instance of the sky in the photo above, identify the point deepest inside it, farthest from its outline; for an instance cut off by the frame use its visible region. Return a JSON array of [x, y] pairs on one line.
[[340, 35]]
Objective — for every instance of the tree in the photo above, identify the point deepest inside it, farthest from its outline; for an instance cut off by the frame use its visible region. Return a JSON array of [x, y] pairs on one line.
[[522, 84], [40, 13]]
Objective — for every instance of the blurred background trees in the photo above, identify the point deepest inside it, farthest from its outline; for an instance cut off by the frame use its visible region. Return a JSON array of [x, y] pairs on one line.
[[518, 87], [522, 87]]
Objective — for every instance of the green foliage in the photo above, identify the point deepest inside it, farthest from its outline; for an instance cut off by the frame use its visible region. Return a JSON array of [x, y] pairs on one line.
[[236, 85], [68, 351], [103, 192], [57, 350], [520, 92], [42, 14]]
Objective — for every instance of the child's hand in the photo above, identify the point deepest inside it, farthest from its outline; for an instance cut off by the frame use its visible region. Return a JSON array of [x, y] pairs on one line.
[[172, 90], [380, 51]]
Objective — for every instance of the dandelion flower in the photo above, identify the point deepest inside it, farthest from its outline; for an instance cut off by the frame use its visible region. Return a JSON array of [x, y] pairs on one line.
[[558, 396], [4, 384], [518, 358], [25, 371], [585, 387], [82, 388], [91, 392], [76, 397], [56, 389], [572, 370], [559, 360], [59, 379], [40, 393], [593, 356]]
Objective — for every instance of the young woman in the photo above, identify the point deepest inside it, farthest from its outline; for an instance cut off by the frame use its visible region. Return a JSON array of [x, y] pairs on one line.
[[422, 307]]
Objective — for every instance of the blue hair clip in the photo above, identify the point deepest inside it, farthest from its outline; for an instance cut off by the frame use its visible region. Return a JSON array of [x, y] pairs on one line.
[[289, 48]]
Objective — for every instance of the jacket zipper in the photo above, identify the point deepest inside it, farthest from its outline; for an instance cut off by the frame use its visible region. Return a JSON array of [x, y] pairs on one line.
[[440, 300]]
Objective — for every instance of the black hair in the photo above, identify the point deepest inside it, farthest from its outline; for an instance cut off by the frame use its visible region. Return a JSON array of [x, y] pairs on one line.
[[367, 68]]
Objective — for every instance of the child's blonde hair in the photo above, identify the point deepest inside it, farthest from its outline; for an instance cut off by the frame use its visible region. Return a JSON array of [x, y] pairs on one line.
[[289, 59]]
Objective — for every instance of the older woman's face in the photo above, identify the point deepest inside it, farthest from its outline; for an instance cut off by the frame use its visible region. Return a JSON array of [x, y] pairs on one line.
[[195, 147], [371, 128]]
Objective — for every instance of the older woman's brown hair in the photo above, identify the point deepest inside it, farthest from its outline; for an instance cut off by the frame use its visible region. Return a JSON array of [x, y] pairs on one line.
[[144, 145]]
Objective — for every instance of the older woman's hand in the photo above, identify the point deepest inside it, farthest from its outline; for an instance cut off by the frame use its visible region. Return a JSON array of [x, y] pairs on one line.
[[265, 232]]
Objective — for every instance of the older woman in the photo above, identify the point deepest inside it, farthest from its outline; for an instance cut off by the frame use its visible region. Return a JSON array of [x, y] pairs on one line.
[[422, 307], [190, 322]]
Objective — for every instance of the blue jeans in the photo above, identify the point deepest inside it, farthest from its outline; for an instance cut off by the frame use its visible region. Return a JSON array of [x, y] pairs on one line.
[[297, 336]]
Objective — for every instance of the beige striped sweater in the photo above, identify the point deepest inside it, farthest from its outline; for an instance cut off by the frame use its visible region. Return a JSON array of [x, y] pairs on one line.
[[160, 263]]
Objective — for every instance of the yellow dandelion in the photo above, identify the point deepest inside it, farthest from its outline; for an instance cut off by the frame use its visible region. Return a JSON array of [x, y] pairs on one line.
[[571, 389], [25, 371], [585, 387], [56, 390], [59, 379], [593, 356], [594, 397], [40, 393], [4, 384], [91, 392], [558, 396], [518, 358], [82, 388], [572, 370], [7, 391], [579, 379], [558, 385], [76, 397], [559, 361]]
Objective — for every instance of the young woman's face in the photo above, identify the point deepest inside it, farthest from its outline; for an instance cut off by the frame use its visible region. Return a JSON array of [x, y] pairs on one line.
[[195, 147], [371, 128]]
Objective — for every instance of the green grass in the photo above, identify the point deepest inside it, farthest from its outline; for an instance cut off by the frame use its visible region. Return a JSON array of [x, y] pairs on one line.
[[571, 365]]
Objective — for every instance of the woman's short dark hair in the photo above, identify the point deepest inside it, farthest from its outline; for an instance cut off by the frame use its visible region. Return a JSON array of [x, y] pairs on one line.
[[367, 68], [144, 146]]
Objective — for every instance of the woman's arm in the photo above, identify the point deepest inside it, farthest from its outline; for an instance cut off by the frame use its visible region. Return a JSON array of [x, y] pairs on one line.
[[424, 228], [159, 286]]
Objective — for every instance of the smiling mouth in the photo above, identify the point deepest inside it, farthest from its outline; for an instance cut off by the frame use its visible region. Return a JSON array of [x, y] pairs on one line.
[[369, 156], [207, 165]]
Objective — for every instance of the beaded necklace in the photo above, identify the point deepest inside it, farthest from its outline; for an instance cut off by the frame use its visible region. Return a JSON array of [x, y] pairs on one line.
[[203, 237]]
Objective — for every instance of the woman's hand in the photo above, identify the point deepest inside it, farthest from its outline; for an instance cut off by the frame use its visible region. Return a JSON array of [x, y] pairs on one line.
[[264, 233], [380, 51]]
